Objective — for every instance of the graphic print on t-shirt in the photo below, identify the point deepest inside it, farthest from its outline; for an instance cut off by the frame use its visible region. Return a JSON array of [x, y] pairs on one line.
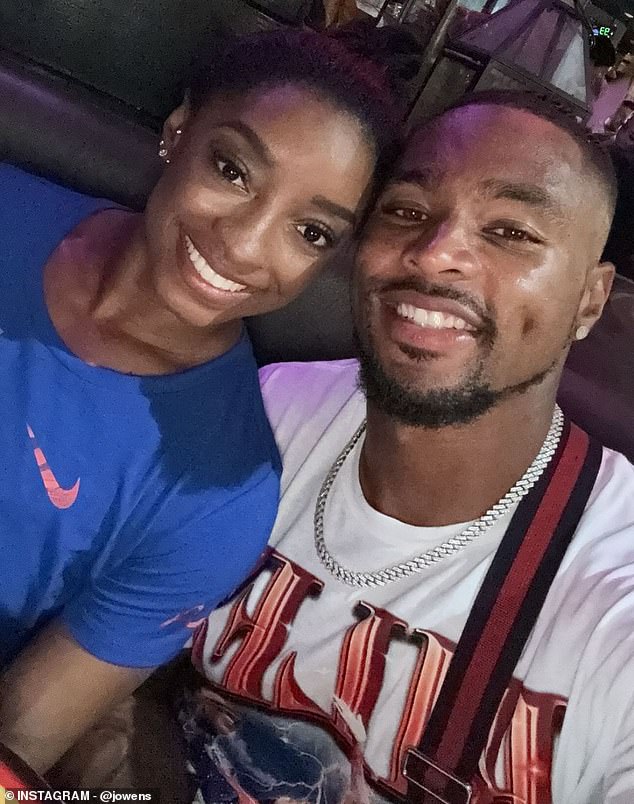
[[317, 689], [60, 497], [285, 747]]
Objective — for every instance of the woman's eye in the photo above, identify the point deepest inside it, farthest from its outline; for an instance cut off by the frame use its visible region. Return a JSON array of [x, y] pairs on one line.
[[316, 235], [230, 172]]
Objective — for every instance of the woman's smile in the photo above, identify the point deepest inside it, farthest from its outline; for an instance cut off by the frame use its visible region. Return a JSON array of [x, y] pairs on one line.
[[206, 282]]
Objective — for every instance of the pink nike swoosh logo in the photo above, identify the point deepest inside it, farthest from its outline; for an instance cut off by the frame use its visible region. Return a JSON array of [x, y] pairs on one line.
[[60, 497], [185, 617]]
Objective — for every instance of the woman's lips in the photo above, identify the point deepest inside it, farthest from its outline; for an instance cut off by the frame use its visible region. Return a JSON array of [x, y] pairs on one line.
[[207, 273], [204, 280]]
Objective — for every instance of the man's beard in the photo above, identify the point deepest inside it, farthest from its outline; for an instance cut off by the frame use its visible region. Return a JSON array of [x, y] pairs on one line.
[[437, 407]]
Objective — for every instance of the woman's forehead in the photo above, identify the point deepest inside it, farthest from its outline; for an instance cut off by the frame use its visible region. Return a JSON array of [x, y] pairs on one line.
[[304, 141]]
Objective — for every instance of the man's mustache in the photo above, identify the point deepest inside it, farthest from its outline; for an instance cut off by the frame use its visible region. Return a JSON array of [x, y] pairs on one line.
[[415, 283]]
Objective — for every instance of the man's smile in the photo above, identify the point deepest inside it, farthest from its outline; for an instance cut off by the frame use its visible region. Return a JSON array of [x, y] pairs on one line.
[[433, 319]]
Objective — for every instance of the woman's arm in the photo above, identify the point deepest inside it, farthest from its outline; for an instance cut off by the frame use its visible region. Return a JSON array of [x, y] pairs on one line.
[[53, 692]]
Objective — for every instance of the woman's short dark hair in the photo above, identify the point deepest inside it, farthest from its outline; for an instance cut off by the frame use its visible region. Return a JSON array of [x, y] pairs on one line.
[[357, 68]]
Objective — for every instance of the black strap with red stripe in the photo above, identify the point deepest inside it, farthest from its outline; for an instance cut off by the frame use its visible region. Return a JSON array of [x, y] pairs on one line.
[[441, 768]]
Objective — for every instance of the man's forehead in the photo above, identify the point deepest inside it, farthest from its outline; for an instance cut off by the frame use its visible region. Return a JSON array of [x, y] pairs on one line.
[[494, 141]]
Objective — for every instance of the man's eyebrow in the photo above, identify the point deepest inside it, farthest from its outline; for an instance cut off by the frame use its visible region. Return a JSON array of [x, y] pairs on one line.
[[427, 178], [248, 134], [525, 193], [335, 209]]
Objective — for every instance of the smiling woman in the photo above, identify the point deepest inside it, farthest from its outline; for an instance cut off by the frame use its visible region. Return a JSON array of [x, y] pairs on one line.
[[126, 365], [259, 188]]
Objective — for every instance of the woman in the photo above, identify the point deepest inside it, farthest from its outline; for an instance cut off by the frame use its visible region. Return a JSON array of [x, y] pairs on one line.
[[125, 364]]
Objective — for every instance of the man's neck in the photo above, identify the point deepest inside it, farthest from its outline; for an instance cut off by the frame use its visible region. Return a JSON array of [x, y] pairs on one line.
[[454, 474]]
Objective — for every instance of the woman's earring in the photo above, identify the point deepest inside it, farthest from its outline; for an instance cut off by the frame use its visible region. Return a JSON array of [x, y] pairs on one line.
[[582, 332], [163, 152]]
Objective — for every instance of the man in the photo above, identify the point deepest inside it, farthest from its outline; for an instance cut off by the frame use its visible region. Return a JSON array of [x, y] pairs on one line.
[[477, 269]]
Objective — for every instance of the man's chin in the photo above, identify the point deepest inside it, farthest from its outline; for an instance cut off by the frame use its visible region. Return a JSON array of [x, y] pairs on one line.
[[404, 400], [434, 407]]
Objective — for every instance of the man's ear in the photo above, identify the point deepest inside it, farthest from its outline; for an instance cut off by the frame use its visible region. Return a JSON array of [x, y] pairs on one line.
[[598, 286], [175, 124]]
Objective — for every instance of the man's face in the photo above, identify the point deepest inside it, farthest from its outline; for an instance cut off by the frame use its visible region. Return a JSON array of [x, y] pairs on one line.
[[474, 265]]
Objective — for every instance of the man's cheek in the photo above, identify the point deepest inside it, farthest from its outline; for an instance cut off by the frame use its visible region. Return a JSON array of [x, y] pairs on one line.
[[530, 324]]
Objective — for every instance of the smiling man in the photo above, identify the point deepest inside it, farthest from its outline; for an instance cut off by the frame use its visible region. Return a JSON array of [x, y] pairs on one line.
[[447, 612]]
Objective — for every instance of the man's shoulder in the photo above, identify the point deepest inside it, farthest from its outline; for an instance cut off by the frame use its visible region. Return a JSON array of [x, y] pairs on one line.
[[307, 386], [603, 547], [610, 509], [615, 479], [302, 399]]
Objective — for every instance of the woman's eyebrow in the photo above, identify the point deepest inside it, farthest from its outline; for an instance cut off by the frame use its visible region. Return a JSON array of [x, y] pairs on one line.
[[248, 134], [334, 209]]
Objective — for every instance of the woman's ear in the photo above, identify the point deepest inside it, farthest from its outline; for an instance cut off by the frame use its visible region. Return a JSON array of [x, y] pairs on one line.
[[598, 286], [174, 126]]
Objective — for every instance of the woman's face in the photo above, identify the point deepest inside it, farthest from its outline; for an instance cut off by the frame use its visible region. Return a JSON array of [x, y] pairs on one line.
[[259, 190]]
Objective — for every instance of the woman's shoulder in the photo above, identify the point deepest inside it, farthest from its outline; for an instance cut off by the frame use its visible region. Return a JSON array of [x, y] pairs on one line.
[[32, 207], [25, 187]]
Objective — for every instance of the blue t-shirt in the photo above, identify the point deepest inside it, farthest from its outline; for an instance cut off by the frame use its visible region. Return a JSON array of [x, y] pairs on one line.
[[129, 506]]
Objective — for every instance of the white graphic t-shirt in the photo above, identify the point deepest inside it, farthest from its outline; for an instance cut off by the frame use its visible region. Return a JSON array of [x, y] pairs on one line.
[[317, 689]]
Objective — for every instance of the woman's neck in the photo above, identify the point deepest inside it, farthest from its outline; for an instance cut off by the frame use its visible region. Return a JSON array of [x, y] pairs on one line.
[[104, 305]]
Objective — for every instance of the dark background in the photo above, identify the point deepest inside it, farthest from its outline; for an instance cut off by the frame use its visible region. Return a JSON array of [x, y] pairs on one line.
[[137, 51], [134, 50]]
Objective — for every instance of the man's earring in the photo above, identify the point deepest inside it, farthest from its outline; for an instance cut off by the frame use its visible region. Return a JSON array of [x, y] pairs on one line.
[[582, 332], [163, 152]]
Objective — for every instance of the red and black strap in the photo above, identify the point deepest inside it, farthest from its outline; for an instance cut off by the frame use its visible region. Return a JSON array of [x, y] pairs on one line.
[[500, 622]]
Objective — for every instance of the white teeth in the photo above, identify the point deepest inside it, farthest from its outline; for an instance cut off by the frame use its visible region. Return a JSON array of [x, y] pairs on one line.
[[436, 320], [204, 270], [433, 319]]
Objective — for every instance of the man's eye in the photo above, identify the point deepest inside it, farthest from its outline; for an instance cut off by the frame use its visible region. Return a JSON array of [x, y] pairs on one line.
[[230, 172], [408, 214], [316, 235], [514, 234]]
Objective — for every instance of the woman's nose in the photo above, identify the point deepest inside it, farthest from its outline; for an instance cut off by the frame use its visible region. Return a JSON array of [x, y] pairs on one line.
[[248, 237]]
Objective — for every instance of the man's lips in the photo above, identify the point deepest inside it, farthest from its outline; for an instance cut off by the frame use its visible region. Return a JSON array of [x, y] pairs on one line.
[[435, 312]]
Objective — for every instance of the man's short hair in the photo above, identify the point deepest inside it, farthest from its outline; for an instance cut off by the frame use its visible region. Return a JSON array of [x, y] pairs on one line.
[[596, 157]]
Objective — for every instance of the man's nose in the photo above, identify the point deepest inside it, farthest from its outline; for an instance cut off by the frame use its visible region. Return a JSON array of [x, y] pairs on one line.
[[446, 249]]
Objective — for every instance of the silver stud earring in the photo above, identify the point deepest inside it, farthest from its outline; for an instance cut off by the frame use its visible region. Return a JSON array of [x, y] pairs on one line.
[[163, 152], [582, 332], [179, 131]]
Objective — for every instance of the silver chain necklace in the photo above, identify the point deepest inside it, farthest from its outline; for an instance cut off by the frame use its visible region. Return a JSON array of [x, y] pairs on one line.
[[451, 546]]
